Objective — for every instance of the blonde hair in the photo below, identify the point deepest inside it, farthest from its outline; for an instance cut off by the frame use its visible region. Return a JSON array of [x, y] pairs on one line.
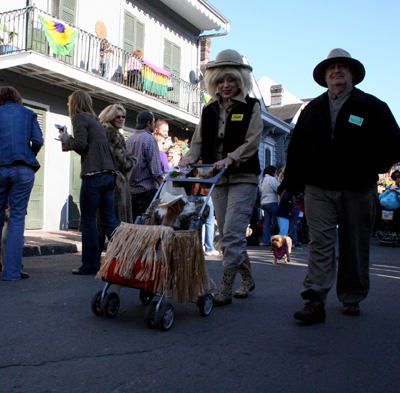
[[159, 137], [80, 102], [240, 74], [109, 113], [281, 174]]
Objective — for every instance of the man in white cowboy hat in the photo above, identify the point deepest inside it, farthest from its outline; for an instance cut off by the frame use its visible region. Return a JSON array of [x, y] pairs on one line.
[[342, 141]]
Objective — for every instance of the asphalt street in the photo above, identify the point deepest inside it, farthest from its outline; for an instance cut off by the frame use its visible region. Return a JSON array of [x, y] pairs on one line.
[[52, 342]]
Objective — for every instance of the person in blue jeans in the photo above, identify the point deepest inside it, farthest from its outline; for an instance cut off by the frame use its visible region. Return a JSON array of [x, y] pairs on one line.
[[284, 213], [207, 230], [269, 202], [20, 142], [294, 225], [98, 178]]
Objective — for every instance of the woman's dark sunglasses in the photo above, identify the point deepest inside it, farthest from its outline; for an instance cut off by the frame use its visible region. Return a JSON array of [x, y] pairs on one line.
[[120, 117]]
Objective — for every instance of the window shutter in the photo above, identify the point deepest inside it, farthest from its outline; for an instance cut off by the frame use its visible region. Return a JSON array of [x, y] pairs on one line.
[[129, 32], [68, 11], [172, 58], [40, 120], [167, 56], [176, 61], [139, 36], [133, 33], [172, 63]]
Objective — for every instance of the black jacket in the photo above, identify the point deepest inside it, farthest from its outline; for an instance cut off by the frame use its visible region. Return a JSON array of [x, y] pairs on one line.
[[235, 134], [365, 142]]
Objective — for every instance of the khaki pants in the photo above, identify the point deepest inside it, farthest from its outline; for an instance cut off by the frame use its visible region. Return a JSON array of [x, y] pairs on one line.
[[354, 212], [233, 205]]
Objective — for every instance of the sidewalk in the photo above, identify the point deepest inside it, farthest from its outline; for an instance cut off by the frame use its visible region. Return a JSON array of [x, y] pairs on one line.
[[51, 242], [70, 241]]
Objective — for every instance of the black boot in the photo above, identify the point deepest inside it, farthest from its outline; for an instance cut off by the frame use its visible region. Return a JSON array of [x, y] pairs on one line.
[[313, 312]]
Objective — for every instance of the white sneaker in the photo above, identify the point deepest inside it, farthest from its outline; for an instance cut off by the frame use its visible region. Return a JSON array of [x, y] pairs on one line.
[[211, 253]]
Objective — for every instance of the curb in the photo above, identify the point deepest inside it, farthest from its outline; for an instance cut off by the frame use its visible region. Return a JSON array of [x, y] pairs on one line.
[[51, 249]]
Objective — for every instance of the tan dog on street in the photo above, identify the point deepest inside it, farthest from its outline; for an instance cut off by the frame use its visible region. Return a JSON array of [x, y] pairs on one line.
[[281, 246]]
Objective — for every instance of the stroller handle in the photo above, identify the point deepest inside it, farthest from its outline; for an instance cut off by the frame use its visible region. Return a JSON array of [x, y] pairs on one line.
[[210, 181]]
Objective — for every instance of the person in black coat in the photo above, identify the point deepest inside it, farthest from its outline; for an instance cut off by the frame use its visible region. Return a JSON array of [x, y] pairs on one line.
[[336, 133]]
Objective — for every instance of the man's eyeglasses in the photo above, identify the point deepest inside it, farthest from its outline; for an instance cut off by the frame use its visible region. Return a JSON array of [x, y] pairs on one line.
[[120, 117]]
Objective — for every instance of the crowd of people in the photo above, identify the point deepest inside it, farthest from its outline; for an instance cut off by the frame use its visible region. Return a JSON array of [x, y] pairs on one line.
[[120, 178], [281, 213], [387, 226]]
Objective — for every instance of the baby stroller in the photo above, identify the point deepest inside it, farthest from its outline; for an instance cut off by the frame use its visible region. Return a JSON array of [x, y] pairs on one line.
[[159, 259]]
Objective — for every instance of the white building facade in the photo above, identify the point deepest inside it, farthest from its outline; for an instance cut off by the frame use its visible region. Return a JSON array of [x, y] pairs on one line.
[[166, 32]]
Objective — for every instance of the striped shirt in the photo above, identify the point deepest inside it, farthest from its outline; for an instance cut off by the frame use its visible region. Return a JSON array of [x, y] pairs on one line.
[[143, 176]]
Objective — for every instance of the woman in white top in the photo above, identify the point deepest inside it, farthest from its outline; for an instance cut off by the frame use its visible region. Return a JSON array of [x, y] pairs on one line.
[[269, 202]]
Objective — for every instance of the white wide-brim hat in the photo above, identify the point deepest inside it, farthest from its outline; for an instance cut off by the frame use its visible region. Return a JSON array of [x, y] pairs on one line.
[[169, 199], [339, 55]]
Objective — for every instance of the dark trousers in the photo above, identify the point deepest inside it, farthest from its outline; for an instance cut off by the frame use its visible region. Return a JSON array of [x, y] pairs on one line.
[[353, 212], [134, 79], [140, 202], [97, 192]]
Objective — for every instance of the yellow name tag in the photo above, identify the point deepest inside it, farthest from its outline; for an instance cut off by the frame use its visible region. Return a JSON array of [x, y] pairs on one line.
[[237, 117]]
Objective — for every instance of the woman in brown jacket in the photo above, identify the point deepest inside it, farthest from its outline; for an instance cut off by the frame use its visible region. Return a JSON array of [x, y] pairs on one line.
[[98, 177]]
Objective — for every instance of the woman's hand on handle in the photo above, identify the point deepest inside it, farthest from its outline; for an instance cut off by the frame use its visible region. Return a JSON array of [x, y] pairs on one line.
[[185, 162], [223, 163]]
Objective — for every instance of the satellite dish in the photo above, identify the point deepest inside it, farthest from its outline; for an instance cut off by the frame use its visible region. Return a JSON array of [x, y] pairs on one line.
[[193, 79]]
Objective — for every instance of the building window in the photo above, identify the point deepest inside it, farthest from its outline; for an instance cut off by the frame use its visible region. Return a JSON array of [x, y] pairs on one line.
[[172, 58], [267, 157], [172, 63], [133, 33]]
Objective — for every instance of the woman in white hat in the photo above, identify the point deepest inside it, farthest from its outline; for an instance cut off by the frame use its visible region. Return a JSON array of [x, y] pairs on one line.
[[230, 127]]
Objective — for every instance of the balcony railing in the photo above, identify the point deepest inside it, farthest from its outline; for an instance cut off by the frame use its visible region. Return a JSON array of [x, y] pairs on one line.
[[23, 30]]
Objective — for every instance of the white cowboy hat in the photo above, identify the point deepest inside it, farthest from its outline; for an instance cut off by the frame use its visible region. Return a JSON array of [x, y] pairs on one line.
[[169, 199], [339, 55]]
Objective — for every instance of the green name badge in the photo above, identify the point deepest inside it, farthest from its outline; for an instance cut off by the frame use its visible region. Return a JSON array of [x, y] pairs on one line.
[[356, 120]]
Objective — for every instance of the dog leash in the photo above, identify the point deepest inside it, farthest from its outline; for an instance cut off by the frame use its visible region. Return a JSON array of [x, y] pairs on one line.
[[294, 227]]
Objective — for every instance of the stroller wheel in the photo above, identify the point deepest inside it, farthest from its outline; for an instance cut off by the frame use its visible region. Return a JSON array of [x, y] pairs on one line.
[[205, 304], [111, 305], [96, 304], [166, 316], [146, 296], [150, 316]]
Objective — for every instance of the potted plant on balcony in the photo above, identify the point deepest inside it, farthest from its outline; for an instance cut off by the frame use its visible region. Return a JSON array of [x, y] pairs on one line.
[[6, 39]]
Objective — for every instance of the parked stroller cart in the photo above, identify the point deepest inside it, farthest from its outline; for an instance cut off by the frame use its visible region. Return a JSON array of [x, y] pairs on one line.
[[161, 261]]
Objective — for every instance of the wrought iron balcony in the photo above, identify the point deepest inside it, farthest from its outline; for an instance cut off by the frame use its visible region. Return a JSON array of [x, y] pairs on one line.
[[24, 30]]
